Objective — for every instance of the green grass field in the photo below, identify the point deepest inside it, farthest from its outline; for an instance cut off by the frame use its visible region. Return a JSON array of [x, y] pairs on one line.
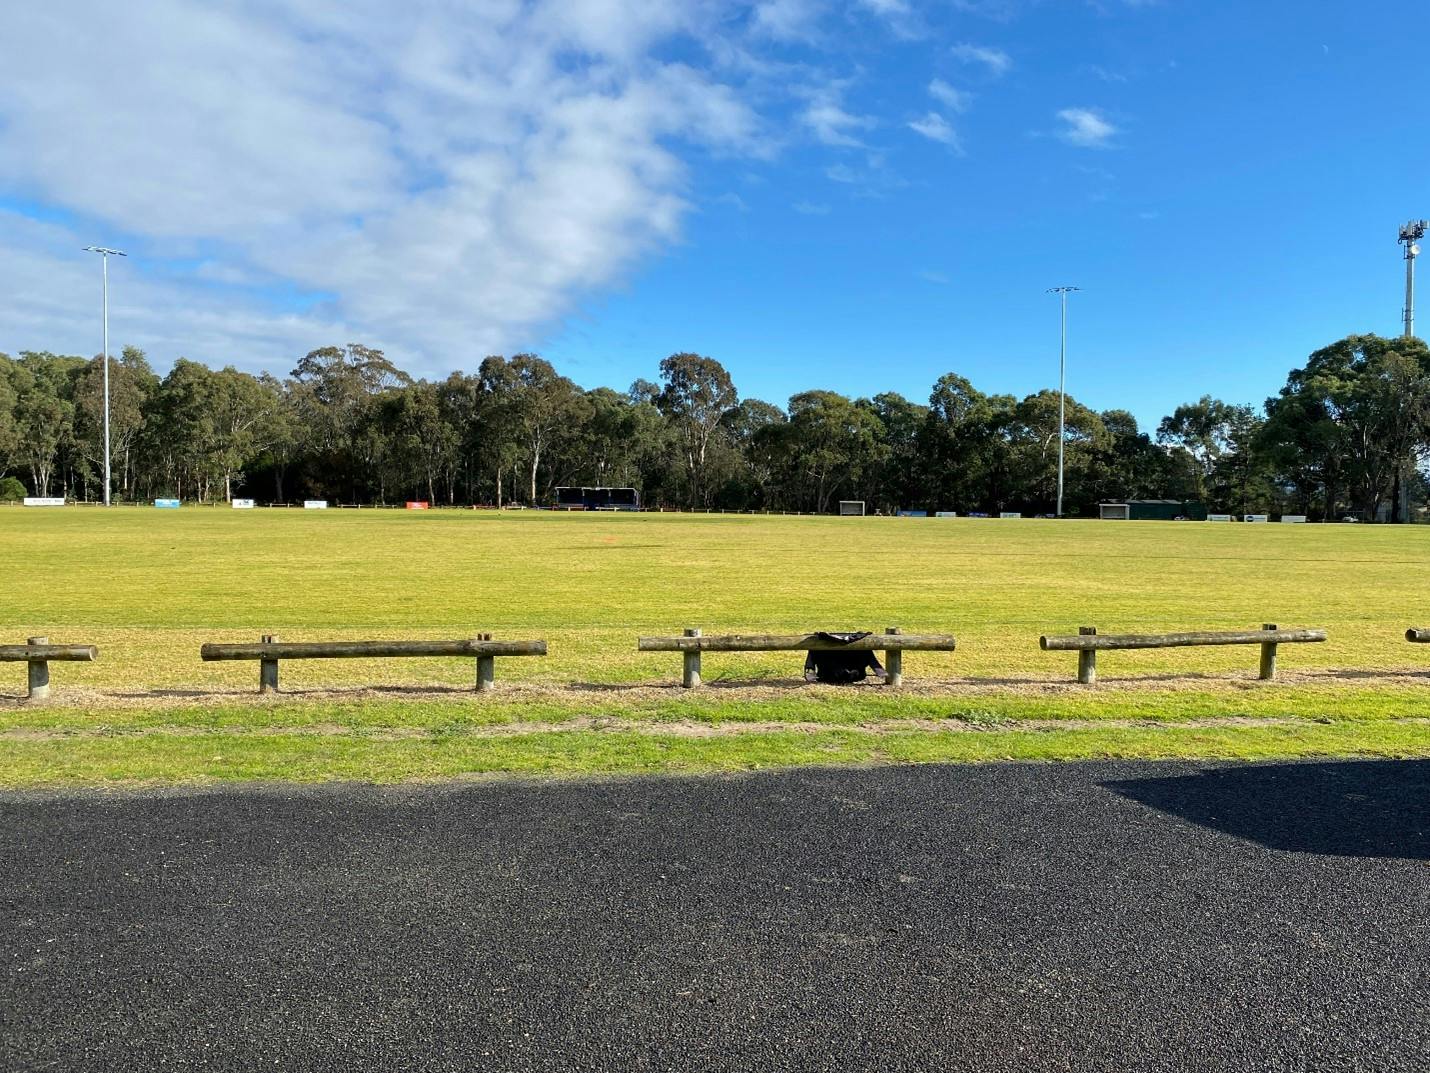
[[149, 586]]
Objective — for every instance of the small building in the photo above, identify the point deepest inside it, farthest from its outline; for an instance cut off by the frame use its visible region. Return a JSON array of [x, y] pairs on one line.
[[597, 499], [1153, 510]]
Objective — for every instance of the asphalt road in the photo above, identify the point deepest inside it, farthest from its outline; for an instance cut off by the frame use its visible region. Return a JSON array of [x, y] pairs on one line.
[[1011, 917]]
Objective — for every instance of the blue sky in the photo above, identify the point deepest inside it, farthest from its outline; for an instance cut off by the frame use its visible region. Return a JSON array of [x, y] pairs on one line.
[[857, 195]]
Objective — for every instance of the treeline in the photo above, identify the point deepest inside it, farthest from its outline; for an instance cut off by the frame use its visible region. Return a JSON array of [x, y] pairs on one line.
[[348, 425]]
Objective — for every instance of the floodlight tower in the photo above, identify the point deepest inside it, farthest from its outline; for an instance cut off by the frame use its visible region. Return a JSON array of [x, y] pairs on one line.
[[106, 253], [1062, 293], [1410, 235]]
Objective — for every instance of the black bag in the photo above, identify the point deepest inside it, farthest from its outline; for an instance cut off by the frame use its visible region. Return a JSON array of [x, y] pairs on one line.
[[841, 667]]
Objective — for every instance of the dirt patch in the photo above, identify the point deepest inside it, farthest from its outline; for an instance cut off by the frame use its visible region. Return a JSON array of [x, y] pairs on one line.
[[743, 690], [688, 729]]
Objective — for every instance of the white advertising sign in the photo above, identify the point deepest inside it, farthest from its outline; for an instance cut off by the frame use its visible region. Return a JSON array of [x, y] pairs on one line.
[[1293, 519], [1009, 514], [1218, 517], [242, 504], [1257, 518], [43, 501], [315, 504]]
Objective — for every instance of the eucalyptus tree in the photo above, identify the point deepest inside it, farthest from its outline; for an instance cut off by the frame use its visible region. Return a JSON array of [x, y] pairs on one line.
[[695, 395]]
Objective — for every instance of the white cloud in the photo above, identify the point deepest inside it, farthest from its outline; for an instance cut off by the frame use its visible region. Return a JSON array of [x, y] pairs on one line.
[[841, 173], [787, 20], [934, 127], [886, 8], [1086, 127], [828, 120], [806, 208], [955, 99], [446, 181], [995, 60]]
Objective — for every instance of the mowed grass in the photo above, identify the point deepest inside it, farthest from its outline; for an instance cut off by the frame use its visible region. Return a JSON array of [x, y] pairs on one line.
[[150, 586]]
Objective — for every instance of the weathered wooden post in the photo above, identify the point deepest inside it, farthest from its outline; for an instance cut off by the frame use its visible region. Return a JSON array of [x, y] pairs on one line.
[[486, 668], [1087, 659], [691, 676], [893, 662], [268, 668], [1268, 655], [39, 672]]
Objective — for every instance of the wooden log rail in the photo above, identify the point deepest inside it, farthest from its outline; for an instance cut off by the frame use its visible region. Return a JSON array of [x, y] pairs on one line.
[[1088, 642], [892, 642], [39, 654], [1418, 634], [270, 650]]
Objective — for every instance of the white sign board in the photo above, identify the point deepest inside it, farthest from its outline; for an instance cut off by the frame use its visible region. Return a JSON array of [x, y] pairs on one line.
[[1257, 518], [242, 504], [1009, 514], [315, 504], [43, 501], [1293, 519], [1218, 517], [945, 514]]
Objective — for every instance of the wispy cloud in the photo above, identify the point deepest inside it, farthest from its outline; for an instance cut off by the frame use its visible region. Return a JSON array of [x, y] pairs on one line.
[[937, 278], [994, 60], [1086, 127], [956, 100], [935, 128], [828, 120], [886, 8], [787, 20], [807, 208], [1106, 75]]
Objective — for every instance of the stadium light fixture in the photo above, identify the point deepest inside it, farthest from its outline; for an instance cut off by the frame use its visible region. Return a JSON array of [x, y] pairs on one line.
[[105, 253], [1410, 235], [1062, 293]]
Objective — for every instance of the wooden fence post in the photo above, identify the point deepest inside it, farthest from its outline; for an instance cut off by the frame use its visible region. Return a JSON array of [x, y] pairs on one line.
[[894, 663], [268, 668], [39, 672], [1087, 659], [486, 669], [1268, 656], [691, 676]]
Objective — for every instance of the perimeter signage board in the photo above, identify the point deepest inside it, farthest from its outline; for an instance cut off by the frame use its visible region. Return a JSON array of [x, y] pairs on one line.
[[315, 504], [167, 504], [418, 504], [242, 504], [44, 501]]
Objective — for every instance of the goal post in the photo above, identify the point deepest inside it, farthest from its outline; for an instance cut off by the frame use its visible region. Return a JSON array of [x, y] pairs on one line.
[[851, 507]]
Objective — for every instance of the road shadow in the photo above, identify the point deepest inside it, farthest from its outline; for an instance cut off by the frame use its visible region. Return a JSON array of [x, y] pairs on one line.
[[1371, 808]]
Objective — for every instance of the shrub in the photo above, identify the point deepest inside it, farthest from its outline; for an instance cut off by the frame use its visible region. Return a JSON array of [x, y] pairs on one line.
[[11, 490]]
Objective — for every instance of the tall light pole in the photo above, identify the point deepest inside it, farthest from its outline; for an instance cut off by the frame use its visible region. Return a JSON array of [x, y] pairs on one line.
[[1062, 293], [1411, 234], [105, 253]]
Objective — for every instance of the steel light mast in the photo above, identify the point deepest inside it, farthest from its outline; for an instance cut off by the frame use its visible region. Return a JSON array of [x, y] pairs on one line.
[[105, 253], [1062, 293], [1410, 235]]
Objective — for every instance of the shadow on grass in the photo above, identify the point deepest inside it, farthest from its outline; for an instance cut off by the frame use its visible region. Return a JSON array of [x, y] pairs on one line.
[[1374, 808]]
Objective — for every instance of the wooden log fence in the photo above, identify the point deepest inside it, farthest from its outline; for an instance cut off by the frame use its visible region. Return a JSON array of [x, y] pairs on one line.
[[39, 654], [891, 642], [1088, 642], [270, 650], [1419, 635]]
